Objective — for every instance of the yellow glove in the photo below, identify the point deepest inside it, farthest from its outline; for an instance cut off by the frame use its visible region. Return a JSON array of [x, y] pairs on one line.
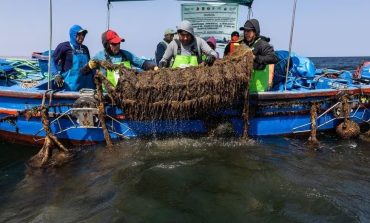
[[92, 64]]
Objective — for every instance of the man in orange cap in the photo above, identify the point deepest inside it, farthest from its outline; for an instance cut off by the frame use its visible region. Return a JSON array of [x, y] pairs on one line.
[[113, 53]]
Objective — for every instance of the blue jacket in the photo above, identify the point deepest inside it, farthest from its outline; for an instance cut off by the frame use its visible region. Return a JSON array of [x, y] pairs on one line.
[[63, 54]]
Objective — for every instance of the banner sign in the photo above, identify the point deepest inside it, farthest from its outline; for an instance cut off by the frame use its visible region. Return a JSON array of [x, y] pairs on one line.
[[212, 19]]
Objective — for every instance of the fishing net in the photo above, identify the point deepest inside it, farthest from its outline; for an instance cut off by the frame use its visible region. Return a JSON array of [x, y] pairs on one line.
[[181, 93]]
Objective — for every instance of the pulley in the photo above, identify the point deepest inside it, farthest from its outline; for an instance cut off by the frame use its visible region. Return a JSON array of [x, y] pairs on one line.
[[85, 110]]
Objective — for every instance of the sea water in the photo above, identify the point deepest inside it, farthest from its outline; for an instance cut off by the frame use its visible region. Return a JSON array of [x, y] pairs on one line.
[[272, 179]]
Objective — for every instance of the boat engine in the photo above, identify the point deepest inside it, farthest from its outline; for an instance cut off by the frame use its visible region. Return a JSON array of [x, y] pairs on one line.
[[85, 110]]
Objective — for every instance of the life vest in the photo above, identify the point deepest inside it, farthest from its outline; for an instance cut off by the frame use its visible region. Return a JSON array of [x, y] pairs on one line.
[[233, 45], [113, 75], [260, 78], [183, 61]]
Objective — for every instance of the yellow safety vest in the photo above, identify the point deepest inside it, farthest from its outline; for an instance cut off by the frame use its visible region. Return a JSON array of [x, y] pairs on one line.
[[113, 75], [260, 79], [183, 61]]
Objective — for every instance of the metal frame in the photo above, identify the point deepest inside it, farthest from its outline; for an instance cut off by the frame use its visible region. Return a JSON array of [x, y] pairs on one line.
[[68, 114], [353, 116]]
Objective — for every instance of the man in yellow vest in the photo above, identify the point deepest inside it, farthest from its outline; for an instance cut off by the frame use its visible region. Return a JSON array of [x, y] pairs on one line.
[[263, 55], [187, 49], [113, 53]]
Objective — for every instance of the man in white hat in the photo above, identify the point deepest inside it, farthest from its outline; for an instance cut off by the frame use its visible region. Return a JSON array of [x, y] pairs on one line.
[[162, 46]]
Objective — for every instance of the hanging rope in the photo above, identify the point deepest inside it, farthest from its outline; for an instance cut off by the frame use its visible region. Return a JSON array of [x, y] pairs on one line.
[[45, 158], [312, 140], [101, 110], [50, 41], [290, 44]]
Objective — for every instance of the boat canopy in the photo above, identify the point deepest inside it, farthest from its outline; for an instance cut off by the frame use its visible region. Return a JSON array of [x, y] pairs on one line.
[[241, 2]]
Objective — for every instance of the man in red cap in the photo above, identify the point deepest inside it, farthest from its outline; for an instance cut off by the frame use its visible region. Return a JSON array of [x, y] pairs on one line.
[[113, 53]]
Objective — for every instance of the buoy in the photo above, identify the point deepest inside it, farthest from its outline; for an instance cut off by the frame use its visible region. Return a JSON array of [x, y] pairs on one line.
[[348, 129]]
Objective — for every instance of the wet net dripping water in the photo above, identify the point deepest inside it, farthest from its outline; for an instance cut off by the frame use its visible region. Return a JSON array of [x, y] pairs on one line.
[[181, 93]]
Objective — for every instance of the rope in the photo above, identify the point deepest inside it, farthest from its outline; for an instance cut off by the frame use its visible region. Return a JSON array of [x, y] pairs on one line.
[[50, 41], [27, 72], [290, 43]]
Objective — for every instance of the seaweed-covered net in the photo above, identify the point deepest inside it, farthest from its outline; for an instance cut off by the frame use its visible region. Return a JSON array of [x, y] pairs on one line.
[[182, 93]]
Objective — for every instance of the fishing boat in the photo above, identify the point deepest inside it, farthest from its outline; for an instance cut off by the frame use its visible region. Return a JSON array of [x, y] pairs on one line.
[[311, 100], [73, 115]]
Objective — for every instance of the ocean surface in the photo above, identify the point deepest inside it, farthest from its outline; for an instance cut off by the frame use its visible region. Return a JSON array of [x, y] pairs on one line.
[[272, 179]]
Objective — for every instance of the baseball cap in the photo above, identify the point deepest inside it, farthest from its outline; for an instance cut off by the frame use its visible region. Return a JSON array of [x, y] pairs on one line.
[[169, 31], [112, 37], [248, 25], [84, 31]]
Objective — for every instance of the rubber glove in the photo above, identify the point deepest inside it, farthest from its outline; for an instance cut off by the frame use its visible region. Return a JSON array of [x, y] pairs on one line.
[[92, 64], [210, 60], [162, 64]]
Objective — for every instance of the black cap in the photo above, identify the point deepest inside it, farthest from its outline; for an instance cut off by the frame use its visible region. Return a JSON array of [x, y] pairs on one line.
[[235, 33], [248, 25]]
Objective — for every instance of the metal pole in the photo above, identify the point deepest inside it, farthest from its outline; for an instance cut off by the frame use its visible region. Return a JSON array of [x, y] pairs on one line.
[[249, 12], [50, 41], [108, 14], [290, 44]]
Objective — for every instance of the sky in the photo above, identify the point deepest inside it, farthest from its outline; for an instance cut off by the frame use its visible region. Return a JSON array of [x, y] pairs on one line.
[[322, 27]]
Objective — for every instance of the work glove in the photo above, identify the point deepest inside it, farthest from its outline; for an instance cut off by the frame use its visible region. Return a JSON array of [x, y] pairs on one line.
[[210, 60], [58, 80], [92, 64], [148, 65], [162, 64]]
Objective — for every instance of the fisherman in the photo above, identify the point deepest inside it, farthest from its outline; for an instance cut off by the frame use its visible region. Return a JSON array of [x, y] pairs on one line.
[[162, 46], [234, 42], [71, 56], [263, 55], [187, 49], [113, 53]]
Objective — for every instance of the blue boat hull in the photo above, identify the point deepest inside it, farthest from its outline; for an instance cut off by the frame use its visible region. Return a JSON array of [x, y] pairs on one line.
[[272, 113]]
